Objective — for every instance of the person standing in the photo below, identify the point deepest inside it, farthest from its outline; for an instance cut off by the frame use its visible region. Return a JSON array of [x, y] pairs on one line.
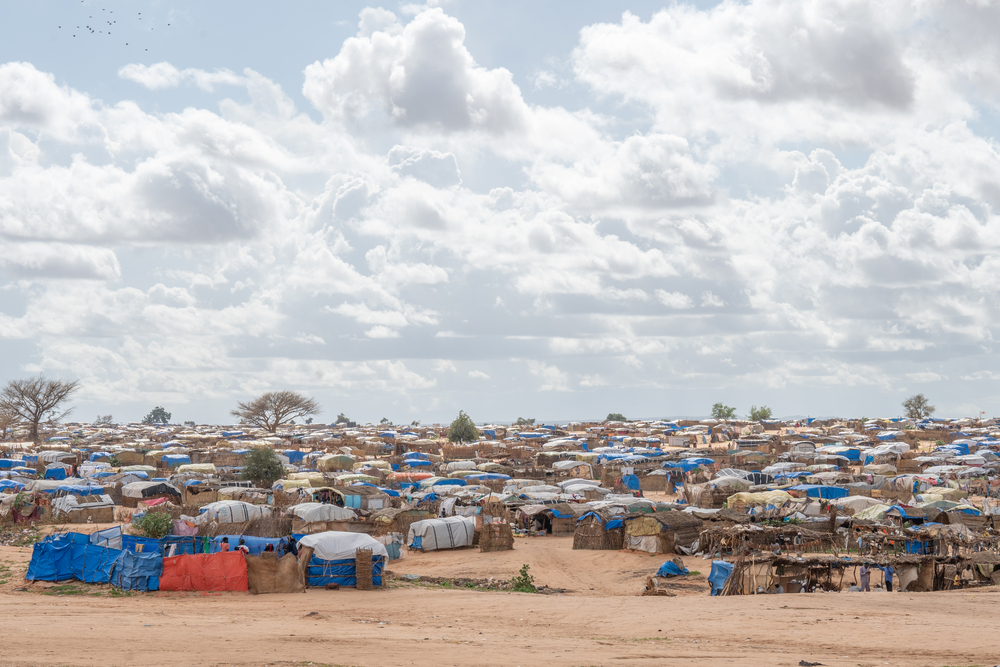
[[888, 577], [224, 544], [243, 547], [866, 575]]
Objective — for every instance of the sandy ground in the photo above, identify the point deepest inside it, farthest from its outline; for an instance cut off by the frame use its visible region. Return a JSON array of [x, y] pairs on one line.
[[598, 621]]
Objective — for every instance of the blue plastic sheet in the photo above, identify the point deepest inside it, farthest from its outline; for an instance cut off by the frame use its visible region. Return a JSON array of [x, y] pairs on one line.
[[137, 572], [343, 572], [721, 571], [670, 569], [631, 482]]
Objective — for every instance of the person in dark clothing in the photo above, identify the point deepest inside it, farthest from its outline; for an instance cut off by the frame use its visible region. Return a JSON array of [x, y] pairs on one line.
[[291, 548], [269, 548], [888, 578]]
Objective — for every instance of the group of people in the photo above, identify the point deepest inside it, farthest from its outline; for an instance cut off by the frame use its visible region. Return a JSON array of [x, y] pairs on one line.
[[289, 547], [865, 575]]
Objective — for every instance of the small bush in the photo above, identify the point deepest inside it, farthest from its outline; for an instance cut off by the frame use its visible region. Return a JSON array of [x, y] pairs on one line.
[[155, 524], [524, 582]]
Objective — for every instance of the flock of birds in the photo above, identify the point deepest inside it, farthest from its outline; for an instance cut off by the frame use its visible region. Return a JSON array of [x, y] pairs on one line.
[[110, 23]]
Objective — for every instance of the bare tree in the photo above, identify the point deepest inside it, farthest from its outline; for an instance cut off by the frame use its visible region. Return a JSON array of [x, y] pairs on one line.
[[36, 399], [918, 407], [271, 410]]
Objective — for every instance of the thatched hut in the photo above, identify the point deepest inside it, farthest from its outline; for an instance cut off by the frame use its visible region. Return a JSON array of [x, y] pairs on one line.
[[661, 532], [599, 532]]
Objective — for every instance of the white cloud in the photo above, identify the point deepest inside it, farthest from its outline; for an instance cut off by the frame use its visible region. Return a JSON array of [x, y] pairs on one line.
[[160, 76], [478, 375], [419, 77]]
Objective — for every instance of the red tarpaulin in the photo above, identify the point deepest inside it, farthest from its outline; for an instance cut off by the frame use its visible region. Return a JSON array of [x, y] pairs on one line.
[[224, 571]]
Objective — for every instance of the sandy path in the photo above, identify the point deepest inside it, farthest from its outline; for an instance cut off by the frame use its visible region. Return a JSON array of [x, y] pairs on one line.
[[433, 626]]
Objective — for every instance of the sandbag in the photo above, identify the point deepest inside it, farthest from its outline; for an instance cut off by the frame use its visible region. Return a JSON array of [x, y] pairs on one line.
[[269, 574]]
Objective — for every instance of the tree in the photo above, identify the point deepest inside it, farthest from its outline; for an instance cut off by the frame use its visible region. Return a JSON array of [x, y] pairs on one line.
[[189, 423], [385, 421], [918, 407], [723, 412], [157, 416], [35, 399], [342, 419], [263, 467], [104, 420], [521, 421], [415, 422], [757, 414], [615, 417], [275, 408], [309, 421], [463, 429]]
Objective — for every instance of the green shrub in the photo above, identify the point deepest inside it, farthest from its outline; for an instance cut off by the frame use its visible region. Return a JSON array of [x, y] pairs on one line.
[[524, 582], [155, 524]]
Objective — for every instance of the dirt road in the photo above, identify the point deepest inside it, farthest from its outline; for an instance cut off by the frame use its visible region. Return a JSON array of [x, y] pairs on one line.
[[602, 622]]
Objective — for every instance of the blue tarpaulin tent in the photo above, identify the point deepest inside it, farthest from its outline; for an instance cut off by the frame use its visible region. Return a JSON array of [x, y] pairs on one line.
[[820, 491], [631, 482], [721, 571], [55, 472], [174, 460], [294, 455]]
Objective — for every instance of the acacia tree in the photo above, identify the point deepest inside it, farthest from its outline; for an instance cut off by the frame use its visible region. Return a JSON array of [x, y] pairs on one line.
[[463, 429], [757, 414], [615, 417], [918, 407], [157, 416], [275, 408], [36, 399], [723, 412]]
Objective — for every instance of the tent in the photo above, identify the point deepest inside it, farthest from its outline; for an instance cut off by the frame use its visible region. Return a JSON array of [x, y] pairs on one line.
[[820, 491], [310, 512], [231, 511], [333, 559], [447, 533]]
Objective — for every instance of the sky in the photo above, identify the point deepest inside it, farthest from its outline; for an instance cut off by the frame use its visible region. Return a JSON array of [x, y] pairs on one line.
[[546, 210]]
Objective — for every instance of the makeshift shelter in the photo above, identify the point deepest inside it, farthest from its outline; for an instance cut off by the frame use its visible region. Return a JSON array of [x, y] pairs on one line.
[[269, 573], [330, 558], [133, 492], [448, 533], [597, 531], [661, 532], [231, 511]]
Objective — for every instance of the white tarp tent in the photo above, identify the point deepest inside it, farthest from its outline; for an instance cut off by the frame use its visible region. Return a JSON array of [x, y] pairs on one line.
[[231, 511], [321, 512], [335, 545], [447, 533]]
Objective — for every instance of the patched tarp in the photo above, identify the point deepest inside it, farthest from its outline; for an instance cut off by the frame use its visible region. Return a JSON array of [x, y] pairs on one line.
[[137, 572], [71, 556], [226, 571], [671, 569], [343, 572]]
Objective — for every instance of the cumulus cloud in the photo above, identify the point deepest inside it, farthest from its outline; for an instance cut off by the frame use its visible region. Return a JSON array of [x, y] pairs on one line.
[[417, 76], [782, 200]]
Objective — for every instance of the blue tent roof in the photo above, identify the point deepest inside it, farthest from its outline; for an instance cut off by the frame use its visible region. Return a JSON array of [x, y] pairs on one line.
[[820, 491]]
